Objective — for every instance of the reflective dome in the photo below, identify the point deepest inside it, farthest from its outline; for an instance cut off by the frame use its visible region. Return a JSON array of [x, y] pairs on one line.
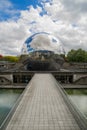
[[42, 42]]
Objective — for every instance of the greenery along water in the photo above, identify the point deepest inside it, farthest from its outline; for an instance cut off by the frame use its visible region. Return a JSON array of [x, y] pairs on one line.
[[79, 98], [7, 99]]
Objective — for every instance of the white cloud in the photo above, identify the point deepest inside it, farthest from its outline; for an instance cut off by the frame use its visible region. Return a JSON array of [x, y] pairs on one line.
[[11, 37], [7, 8], [65, 19], [5, 4]]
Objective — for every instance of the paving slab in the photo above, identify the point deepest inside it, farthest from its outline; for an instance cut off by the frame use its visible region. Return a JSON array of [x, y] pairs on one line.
[[42, 107]]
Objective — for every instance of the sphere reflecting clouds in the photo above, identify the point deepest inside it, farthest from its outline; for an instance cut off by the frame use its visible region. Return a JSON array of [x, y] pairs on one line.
[[42, 41]]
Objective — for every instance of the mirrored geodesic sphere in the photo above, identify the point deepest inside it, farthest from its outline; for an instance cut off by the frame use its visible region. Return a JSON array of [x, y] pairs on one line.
[[42, 42]]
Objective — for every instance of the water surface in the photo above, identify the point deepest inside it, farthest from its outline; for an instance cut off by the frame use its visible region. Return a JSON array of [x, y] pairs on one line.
[[79, 99], [7, 99]]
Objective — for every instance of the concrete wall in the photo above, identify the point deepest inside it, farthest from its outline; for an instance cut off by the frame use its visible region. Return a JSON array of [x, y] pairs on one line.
[[82, 80], [78, 76], [6, 79], [65, 77], [9, 77]]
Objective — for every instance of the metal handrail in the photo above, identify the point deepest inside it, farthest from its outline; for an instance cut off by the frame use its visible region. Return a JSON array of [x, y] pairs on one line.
[[79, 117], [10, 114]]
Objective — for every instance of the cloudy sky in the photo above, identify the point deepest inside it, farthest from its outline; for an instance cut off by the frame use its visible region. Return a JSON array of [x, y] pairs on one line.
[[65, 19]]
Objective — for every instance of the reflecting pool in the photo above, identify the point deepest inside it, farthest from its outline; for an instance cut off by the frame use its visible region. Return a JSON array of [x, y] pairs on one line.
[[7, 99], [79, 98]]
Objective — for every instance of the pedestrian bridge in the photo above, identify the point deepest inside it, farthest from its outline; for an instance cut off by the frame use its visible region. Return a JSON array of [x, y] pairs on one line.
[[44, 106]]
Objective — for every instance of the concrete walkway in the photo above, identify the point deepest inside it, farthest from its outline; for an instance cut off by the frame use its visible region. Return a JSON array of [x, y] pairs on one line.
[[42, 108]]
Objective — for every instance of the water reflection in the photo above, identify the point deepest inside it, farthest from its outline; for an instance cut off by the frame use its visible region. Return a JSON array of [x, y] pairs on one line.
[[7, 99], [79, 98]]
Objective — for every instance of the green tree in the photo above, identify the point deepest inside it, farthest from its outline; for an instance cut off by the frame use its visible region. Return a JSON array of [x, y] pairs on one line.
[[77, 55], [71, 55], [11, 58]]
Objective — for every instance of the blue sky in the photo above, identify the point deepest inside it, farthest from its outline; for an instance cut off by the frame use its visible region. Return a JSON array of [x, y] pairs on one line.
[[14, 7], [22, 4]]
